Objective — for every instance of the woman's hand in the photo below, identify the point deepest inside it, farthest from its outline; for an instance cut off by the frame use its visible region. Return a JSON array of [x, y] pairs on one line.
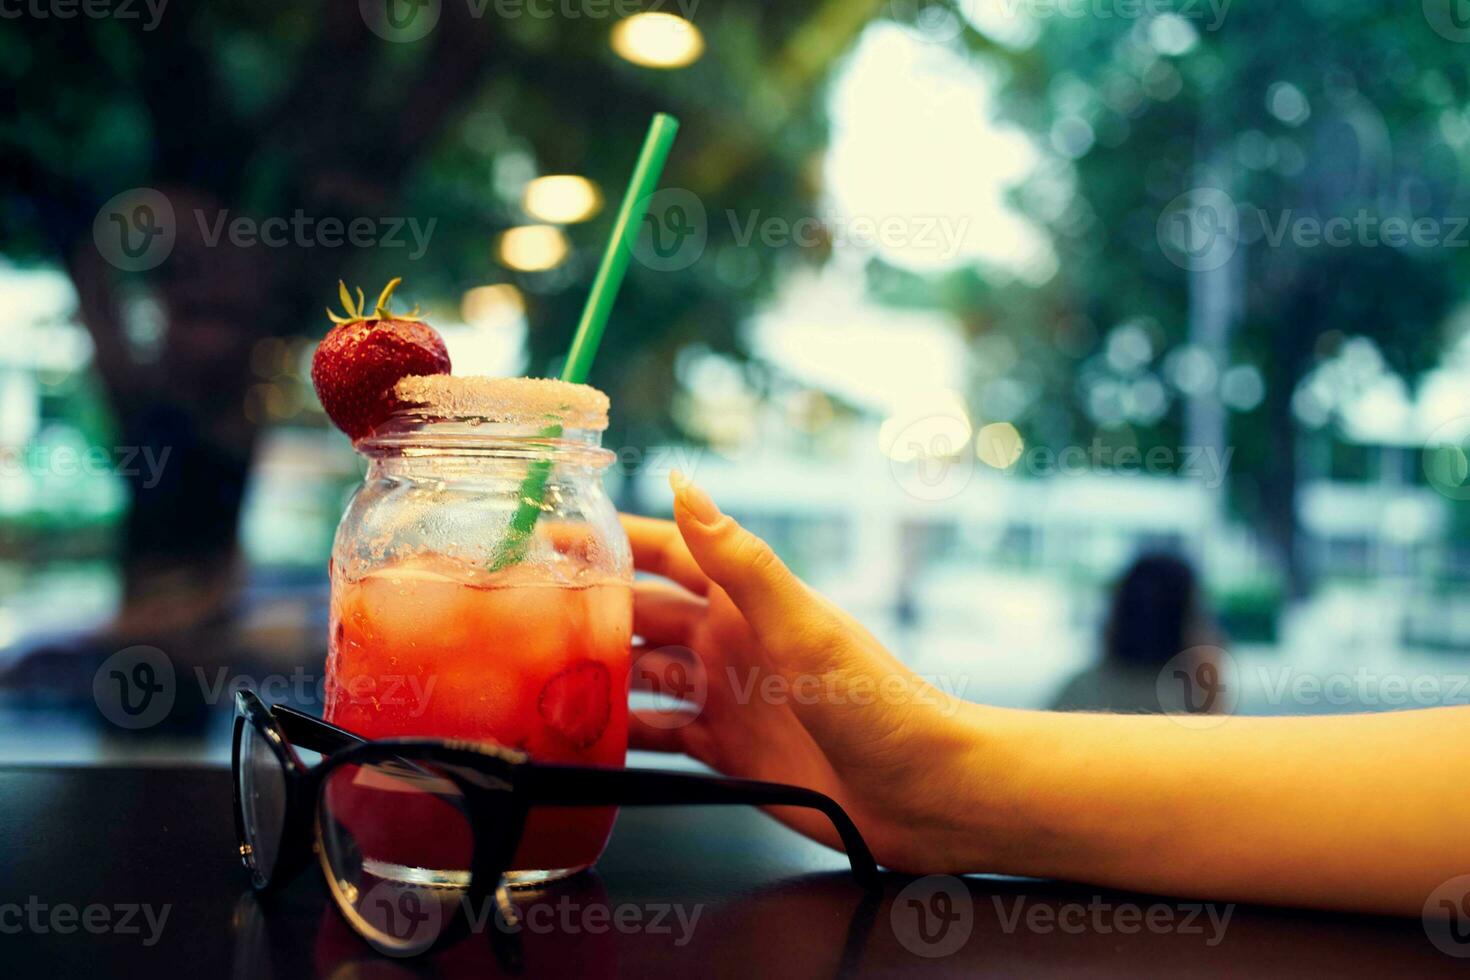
[[1363, 812], [788, 687]]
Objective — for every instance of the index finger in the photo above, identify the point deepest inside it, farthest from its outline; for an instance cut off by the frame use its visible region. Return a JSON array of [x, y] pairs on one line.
[[658, 548]]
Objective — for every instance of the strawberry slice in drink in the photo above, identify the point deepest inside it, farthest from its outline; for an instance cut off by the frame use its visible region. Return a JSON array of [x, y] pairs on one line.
[[577, 703]]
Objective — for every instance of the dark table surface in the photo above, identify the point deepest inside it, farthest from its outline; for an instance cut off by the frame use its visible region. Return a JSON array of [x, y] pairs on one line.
[[133, 872]]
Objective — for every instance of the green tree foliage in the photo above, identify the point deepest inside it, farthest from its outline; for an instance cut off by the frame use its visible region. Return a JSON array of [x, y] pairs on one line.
[[272, 109], [1310, 110]]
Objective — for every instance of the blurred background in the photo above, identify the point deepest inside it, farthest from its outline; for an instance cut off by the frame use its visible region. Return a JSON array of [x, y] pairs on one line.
[[965, 306]]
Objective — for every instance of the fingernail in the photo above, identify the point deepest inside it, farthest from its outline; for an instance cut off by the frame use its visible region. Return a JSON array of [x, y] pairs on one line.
[[694, 500]]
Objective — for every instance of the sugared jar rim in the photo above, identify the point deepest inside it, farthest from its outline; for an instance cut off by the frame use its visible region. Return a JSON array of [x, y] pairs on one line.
[[546, 400]]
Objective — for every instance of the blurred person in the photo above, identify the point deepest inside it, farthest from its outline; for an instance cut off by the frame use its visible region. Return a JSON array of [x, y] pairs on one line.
[[1157, 613], [1355, 812]]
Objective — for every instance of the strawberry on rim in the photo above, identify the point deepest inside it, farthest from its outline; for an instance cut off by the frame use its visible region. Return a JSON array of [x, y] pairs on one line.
[[360, 360]]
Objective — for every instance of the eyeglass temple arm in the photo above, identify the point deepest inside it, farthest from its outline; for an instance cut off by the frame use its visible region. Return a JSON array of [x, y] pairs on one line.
[[553, 785], [313, 734]]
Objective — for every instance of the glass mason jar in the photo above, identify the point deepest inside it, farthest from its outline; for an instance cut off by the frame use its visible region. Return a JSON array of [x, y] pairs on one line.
[[482, 590]]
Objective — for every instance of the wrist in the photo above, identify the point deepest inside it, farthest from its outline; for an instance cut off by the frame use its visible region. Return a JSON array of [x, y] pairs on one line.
[[960, 809], [1000, 798], [1037, 794], [983, 811]]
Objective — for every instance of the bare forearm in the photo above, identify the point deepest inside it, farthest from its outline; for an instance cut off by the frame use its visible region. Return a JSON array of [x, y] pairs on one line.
[[1360, 812], [1351, 812]]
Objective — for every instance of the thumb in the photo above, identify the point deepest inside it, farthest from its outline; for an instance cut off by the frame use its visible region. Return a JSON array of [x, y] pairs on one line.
[[773, 600]]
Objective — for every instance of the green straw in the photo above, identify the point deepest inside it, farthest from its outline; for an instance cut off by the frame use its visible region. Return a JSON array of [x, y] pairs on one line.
[[600, 299], [619, 250]]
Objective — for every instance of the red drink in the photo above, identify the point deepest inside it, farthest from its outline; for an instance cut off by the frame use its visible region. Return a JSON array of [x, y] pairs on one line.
[[432, 646]]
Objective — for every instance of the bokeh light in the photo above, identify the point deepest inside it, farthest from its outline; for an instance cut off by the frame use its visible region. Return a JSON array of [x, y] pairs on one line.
[[658, 40], [533, 248], [561, 199], [999, 445], [492, 307]]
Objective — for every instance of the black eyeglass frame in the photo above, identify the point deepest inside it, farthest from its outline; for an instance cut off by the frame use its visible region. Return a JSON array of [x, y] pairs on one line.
[[499, 786]]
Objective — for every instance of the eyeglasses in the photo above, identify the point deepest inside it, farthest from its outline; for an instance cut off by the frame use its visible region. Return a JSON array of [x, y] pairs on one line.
[[413, 835]]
